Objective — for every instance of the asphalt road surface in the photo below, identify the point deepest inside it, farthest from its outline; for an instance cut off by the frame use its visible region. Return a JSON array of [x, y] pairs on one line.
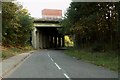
[[55, 64]]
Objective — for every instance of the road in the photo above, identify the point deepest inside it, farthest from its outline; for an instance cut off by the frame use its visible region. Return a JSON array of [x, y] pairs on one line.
[[55, 64]]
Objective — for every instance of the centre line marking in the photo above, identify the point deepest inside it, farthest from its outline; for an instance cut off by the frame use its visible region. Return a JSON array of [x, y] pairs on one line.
[[57, 66], [52, 59], [67, 76], [48, 54]]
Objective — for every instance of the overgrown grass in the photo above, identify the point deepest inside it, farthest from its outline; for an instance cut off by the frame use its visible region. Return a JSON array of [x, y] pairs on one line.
[[12, 51], [108, 60]]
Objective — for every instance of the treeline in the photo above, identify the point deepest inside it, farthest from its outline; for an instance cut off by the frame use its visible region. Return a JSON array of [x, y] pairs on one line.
[[95, 26], [16, 24]]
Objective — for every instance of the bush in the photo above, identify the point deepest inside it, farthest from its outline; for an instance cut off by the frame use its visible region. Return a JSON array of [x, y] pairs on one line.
[[97, 47]]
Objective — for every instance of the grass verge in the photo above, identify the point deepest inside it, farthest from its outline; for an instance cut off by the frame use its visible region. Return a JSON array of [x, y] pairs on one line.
[[12, 51], [107, 60]]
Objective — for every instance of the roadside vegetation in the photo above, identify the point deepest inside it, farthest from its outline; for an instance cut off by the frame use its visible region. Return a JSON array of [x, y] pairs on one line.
[[17, 25], [12, 51], [95, 29], [107, 60]]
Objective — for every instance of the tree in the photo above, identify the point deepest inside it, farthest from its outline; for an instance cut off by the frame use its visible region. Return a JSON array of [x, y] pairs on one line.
[[26, 23], [94, 24], [16, 23], [9, 23]]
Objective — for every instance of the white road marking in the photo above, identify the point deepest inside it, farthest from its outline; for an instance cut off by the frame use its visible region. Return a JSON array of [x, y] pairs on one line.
[[57, 66], [48, 54], [52, 59], [67, 76]]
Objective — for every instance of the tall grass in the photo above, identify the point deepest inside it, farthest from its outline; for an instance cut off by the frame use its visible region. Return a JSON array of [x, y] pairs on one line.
[[12, 51], [108, 60]]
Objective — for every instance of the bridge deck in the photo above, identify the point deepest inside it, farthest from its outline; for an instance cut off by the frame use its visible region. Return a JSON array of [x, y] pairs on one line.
[[47, 23]]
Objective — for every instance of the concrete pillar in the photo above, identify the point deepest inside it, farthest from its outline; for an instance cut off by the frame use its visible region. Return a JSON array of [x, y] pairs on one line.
[[45, 46], [55, 41], [63, 41], [44, 41], [59, 41], [37, 39], [34, 38], [51, 41], [48, 42], [40, 41]]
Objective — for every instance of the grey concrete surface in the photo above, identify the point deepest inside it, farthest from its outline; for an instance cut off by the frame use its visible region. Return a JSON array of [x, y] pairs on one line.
[[55, 64], [8, 64]]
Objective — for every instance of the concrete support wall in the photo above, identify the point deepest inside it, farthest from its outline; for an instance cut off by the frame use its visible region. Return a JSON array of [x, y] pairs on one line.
[[40, 40], [37, 39], [48, 42], [59, 41], [55, 41], [34, 38], [51, 41], [43, 39], [63, 41]]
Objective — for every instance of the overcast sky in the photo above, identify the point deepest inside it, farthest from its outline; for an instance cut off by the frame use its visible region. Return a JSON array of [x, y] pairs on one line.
[[35, 6]]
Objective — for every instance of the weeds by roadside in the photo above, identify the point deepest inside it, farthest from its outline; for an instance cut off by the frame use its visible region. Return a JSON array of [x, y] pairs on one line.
[[108, 60], [12, 51]]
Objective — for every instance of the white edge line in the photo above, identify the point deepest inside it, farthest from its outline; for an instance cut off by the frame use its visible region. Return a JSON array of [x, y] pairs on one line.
[[66, 76], [57, 66]]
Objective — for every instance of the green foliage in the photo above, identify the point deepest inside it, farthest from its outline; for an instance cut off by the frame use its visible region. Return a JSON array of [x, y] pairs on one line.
[[9, 22], [92, 23], [26, 23], [17, 24], [108, 60]]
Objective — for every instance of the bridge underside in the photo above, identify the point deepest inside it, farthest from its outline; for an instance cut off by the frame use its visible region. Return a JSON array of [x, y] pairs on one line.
[[47, 37]]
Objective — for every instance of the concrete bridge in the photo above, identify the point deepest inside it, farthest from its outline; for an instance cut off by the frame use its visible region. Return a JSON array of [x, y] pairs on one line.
[[45, 34]]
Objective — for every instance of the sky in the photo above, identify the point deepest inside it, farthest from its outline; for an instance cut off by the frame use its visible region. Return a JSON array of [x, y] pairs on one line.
[[35, 6]]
